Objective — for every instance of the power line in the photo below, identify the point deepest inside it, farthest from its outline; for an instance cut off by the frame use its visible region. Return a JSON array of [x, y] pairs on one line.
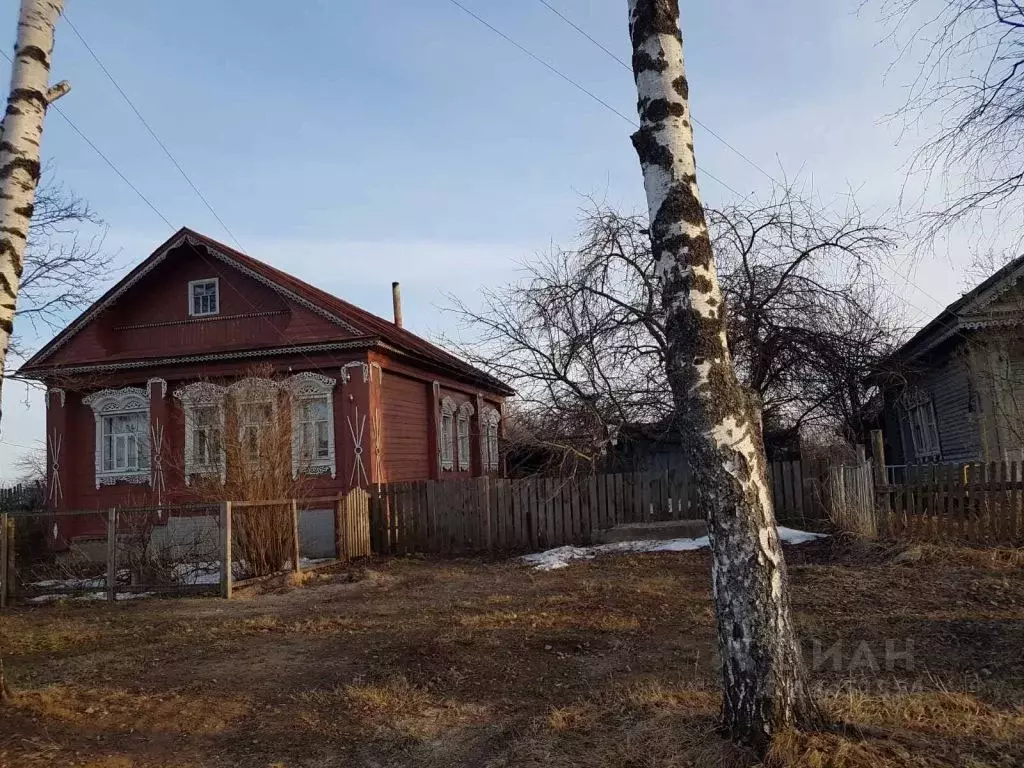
[[113, 167], [572, 82], [611, 54], [152, 133], [99, 152], [146, 200]]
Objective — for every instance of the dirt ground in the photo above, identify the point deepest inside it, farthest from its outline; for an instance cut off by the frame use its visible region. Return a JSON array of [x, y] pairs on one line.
[[421, 662]]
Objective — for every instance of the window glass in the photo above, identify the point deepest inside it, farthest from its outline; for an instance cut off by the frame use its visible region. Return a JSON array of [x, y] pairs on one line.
[[124, 442], [204, 297]]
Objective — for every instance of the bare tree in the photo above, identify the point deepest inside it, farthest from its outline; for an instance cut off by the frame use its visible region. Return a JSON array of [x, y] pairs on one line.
[[805, 323], [970, 82], [65, 260], [32, 467], [581, 336]]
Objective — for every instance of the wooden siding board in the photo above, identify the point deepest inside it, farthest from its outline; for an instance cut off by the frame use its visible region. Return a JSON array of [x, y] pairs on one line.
[[404, 420]]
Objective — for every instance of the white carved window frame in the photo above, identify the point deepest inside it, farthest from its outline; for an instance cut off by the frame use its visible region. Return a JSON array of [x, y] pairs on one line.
[[305, 388], [463, 414], [447, 433], [253, 392], [193, 397], [192, 285], [119, 402], [490, 417]]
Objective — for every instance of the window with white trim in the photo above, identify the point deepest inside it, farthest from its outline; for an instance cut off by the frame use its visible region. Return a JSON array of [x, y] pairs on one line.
[[254, 420], [312, 423], [923, 429], [447, 434], [462, 430], [207, 432], [122, 435], [489, 447], [203, 406], [204, 297], [125, 442]]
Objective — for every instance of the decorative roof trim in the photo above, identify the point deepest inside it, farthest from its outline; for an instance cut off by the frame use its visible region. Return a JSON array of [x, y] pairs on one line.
[[201, 319], [158, 258], [277, 287], [482, 377], [996, 291], [242, 354]]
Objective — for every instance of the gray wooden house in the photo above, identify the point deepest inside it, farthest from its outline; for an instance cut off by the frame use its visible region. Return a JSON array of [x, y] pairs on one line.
[[954, 393]]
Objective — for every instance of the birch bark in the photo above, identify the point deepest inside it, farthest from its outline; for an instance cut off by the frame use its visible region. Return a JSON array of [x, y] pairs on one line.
[[22, 133], [19, 149], [765, 686]]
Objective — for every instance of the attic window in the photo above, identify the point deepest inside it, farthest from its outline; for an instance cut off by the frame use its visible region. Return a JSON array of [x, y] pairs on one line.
[[203, 297]]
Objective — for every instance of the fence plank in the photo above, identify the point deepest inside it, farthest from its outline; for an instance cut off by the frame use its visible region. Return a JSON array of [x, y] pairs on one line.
[[592, 508], [226, 576], [528, 509], [1014, 531], [112, 555], [605, 488], [6, 572]]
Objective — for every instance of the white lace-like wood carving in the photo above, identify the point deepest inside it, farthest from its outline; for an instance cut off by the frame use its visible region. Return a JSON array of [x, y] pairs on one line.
[[115, 402], [463, 414], [447, 434], [193, 397], [306, 388], [489, 420]]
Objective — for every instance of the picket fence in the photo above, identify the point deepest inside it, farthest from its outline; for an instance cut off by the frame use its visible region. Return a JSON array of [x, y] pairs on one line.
[[22, 497], [978, 503], [489, 514]]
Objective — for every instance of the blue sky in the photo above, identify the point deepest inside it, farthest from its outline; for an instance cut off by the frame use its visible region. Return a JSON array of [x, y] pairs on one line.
[[356, 143]]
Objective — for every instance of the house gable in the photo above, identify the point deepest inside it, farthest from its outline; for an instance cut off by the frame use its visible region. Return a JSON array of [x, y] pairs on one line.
[[120, 330], [147, 314]]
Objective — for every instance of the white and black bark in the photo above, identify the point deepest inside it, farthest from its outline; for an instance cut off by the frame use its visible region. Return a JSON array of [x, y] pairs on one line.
[[765, 686], [19, 160], [22, 134]]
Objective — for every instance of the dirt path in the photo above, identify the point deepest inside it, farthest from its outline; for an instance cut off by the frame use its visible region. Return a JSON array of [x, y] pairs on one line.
[[474, 663]]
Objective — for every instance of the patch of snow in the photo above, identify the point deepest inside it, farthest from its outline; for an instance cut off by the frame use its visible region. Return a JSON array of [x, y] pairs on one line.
[[560, 557], [88, 596], [70, 583]]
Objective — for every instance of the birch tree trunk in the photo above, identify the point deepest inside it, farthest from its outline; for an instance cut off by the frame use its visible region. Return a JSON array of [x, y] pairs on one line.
[[22, 134], [765, 687]]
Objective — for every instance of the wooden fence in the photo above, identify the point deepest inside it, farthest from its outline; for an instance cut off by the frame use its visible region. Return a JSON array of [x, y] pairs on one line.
[[850, 498], [22, 498], [488, 514], [798, 490], [978, 503]]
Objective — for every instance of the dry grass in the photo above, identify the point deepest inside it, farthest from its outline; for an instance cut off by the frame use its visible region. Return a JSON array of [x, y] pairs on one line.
[[472, 663]]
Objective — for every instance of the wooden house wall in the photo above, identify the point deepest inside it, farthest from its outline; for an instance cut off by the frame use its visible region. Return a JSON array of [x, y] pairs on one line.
[[406, 441], [153, 318], [945, 378]]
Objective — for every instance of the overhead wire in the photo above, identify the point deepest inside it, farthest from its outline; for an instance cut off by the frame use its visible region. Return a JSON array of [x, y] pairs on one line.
[[199, 251], [575, 84], [611, 54], [150, 130]]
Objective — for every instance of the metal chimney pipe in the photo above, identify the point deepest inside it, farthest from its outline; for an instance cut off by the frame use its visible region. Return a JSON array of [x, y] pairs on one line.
[[396, 299]]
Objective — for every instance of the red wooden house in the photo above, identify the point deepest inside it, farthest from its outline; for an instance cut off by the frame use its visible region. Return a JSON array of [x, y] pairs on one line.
[[137, 385]]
